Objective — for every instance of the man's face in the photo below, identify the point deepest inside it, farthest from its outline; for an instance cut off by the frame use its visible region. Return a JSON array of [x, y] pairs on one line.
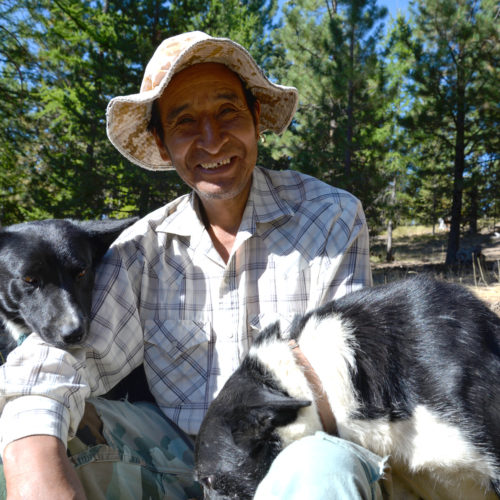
[[209, 132]]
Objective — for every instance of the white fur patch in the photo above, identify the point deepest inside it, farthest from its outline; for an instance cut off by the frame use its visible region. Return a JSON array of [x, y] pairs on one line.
[[14, 330], [423, 442], [329, 345], [278, 358]]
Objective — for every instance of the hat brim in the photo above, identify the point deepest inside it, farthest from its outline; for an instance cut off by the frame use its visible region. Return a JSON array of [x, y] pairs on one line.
[[128, 116]]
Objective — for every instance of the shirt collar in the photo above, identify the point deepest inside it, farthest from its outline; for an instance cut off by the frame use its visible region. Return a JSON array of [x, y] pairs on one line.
[[185, 220], [265, 199], [264, 205]]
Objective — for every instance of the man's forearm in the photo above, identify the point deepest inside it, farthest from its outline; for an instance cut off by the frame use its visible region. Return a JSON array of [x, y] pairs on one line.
[[36, 467]]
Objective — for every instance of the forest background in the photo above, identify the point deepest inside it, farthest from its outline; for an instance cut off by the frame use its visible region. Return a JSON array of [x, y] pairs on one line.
[[401, 111]]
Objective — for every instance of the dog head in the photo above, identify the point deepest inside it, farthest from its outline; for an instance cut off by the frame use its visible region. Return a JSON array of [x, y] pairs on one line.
[[238, 439], [47, 273]]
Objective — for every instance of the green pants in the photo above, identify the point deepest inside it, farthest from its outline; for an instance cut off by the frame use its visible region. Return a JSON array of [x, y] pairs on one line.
[[126, 451]]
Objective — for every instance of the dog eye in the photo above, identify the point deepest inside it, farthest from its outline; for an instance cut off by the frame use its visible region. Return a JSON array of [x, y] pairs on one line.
[[81, 273], [30, 279]]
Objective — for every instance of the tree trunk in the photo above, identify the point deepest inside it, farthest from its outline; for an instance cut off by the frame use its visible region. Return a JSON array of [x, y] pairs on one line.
[[474, 206], [350, 110], [458, 179], [389, 256], [434, 202]]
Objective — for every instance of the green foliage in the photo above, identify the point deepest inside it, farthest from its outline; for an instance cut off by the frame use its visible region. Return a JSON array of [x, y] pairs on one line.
[[405, 118], [338, 133], [64, 60], [453, 82]]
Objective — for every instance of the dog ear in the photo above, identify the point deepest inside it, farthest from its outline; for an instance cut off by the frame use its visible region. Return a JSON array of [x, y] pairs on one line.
[[278, 410], [256, 422], [103, 232]]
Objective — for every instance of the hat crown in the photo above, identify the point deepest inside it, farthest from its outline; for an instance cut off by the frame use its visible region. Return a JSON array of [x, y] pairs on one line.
[[166, 55]]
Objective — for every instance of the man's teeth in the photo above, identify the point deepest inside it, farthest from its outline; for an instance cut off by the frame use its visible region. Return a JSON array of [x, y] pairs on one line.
[[216, 164]]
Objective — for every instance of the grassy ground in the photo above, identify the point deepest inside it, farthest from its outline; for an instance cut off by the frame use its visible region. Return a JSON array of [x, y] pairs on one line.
[[417, 250]]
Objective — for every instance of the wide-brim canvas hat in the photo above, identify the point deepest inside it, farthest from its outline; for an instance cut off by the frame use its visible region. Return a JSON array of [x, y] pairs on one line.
[[128, 116]]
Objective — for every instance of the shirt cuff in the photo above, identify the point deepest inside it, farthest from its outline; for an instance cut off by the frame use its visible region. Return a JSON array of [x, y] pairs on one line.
[[33, 415]]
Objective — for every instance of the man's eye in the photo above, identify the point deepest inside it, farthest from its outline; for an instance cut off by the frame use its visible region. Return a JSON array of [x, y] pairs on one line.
[[227, 110], [185, 120]]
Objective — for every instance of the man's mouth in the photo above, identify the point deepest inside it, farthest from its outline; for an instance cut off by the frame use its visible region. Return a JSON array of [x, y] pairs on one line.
[[216, 164]]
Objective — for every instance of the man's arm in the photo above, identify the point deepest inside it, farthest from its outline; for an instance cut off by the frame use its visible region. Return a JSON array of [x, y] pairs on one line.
[[345, 263], [37, 467]]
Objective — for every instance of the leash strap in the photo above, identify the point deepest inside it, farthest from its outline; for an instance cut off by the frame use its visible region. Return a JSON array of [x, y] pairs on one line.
[[326, 415]]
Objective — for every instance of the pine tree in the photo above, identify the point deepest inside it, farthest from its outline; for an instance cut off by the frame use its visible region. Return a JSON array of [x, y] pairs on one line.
[[333, 60], [16, 74], [455, 88], [81, 54]]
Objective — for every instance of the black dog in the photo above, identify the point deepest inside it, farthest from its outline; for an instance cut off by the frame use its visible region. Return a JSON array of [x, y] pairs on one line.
[[410, 369], [46, 277]]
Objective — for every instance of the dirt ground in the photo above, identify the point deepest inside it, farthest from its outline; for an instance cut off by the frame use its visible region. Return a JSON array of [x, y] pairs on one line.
[[417, 250]]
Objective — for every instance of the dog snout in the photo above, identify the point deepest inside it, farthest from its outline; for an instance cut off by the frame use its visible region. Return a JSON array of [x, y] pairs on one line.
[[73, 335]]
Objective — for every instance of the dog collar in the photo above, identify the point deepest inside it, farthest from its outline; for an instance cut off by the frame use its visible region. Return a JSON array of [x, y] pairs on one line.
[[325, 412], [22, 338]]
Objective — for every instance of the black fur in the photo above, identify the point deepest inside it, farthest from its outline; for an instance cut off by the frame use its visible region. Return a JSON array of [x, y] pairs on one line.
[[47, 274], [419, 342], [238, 440]]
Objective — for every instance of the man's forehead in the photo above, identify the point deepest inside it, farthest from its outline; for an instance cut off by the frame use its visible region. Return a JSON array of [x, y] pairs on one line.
[[201, 83]]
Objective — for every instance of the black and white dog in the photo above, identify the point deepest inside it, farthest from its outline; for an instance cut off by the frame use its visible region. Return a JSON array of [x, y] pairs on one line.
[[410, 369], [46, 277]]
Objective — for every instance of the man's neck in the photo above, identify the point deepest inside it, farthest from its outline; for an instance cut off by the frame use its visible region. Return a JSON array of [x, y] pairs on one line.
[[222, 219]]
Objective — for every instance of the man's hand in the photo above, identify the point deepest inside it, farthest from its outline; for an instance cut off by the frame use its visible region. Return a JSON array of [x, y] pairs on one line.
[[36, 467]]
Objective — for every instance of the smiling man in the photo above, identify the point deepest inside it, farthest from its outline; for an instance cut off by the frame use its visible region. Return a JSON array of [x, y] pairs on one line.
[[184, 292], [209, 132]]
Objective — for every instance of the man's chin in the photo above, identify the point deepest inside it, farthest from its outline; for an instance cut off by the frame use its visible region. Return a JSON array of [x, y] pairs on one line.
[[216, 195], [219, 192]]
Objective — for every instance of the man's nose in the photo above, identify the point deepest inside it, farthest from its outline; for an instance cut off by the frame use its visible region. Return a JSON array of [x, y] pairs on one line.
[[211, 137]]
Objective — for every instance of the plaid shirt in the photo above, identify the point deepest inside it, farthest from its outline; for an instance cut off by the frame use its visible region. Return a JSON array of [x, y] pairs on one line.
[[163, 295]]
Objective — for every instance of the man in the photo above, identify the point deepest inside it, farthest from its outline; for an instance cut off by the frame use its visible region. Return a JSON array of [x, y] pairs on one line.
[[185, 290]]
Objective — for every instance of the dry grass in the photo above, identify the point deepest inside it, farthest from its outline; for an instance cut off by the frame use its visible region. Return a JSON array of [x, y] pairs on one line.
[[417, 250], [490, 295]]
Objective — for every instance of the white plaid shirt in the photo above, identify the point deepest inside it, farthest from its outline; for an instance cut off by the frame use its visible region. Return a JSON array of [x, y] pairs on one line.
[[164, 295]]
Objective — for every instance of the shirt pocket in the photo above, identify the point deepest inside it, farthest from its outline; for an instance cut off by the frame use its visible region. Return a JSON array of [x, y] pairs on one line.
[[177, 355]]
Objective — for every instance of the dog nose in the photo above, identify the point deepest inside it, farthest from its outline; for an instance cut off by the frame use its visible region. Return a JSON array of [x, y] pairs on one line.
[[72, 335]]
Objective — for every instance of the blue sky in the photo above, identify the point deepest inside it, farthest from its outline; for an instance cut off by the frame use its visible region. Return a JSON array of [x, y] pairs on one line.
[[392, 5], [395, 5]]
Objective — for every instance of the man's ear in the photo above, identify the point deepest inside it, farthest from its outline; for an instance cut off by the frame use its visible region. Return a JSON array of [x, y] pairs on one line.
[[256, 114], [161, 146]]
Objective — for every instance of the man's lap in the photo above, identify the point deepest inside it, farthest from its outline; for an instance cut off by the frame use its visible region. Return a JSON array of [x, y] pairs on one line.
[[145, 455], [126, 451], [324, 467]]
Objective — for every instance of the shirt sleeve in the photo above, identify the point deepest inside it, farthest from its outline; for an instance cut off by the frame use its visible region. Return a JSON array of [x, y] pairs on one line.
[[345, 263], [43, 388]]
